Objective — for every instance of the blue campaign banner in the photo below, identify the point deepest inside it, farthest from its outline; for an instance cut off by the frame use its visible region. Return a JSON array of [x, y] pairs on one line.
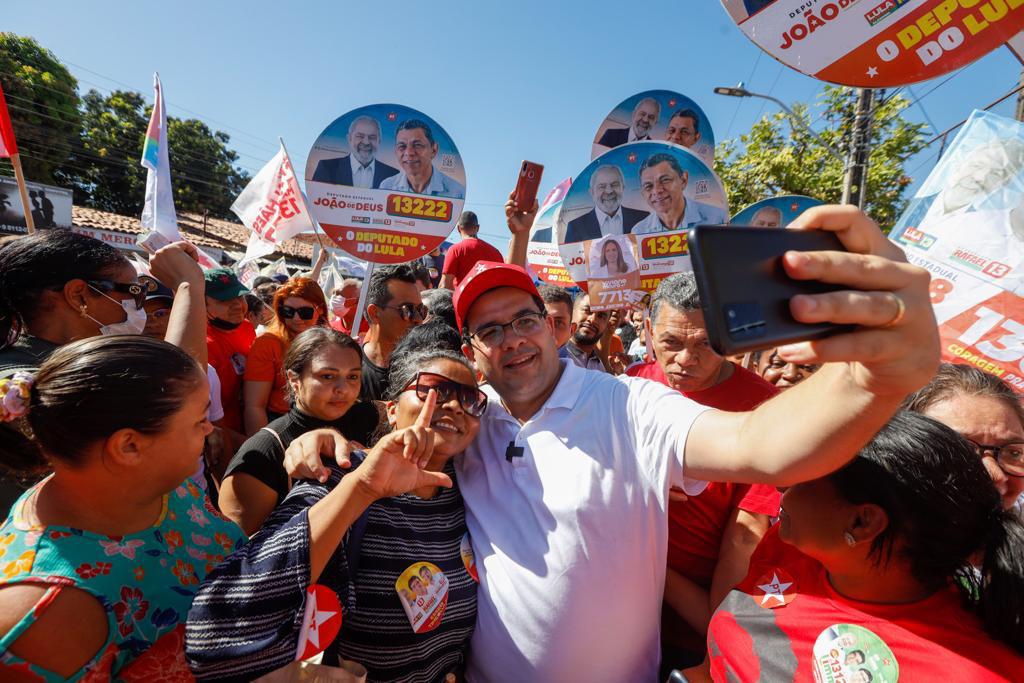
[[657, 115], [774, 212], [623, 224], [386, 183]]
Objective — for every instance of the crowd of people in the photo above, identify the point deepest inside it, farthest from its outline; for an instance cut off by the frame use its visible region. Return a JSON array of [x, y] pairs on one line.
[[498, 481]]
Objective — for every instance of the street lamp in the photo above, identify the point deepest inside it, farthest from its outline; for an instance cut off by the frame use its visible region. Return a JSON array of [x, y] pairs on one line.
[[740, 91]]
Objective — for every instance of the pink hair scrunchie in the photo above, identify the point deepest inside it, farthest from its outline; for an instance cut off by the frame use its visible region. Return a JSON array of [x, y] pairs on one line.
[[14, 395]]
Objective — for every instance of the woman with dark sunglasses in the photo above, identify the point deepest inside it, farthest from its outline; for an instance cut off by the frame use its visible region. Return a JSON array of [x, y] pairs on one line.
[[323, 369], [299, 304], [57, 287], [368, 534]]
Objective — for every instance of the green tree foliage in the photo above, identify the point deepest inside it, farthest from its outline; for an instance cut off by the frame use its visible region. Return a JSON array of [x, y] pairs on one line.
[[106, 173], [111, 178], [776, 157], [94, 144], [42, 97]]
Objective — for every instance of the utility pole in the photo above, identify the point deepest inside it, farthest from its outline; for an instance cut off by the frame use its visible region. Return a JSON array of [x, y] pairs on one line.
[[855, 178]]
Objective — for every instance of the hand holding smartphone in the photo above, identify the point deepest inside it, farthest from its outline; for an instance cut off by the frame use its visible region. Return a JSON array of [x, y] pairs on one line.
[[744, 288], [526, 187]]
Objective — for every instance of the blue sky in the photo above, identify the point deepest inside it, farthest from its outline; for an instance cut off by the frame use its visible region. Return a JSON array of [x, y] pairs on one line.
[[508, 81]]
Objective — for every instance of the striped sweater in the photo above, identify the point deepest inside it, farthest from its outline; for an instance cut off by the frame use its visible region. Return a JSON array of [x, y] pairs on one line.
[[246, 617]]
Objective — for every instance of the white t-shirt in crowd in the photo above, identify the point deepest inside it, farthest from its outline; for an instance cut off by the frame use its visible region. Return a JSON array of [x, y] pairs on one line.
[[213, 413], [570, 539], [216, 409]]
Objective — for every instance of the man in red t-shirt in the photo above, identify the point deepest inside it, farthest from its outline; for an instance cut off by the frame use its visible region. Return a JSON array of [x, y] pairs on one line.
[[467, 253], [711, 536], [228, 338]]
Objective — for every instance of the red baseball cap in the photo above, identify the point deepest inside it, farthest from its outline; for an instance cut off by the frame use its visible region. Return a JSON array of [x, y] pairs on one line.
[[485, 276]]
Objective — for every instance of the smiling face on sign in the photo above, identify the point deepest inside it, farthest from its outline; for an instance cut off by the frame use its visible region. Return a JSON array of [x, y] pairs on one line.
[[606, 187], [662, 188], [415, 154], [645, 115], [364, 139]]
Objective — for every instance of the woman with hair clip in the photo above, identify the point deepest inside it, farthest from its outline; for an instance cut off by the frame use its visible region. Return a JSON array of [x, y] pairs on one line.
[[867, 576], [386, 536], [57, 286], [987, 412], [100, 560], [324, 370], [299, 304]]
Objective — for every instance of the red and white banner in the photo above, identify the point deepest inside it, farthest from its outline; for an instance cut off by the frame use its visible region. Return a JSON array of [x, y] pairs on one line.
[[272, 207], [965, 225], [8, 145], [878, 43]]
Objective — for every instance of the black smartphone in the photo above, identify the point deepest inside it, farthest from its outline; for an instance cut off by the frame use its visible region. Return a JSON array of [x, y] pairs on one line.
[[744, 289]]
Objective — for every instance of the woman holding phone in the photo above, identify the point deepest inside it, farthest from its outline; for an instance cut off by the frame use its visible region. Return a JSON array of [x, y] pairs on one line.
[[366, 533]]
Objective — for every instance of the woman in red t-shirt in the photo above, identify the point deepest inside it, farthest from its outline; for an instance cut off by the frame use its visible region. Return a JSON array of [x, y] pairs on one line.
[[868, 575], [299, 304]]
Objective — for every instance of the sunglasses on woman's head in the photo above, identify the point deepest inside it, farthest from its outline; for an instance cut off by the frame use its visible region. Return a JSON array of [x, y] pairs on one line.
[[472, 400], [304, 312]]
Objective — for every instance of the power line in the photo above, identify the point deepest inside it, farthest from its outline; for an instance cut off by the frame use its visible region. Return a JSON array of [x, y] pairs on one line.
[[266, 144], [40, 105], [750, 79]]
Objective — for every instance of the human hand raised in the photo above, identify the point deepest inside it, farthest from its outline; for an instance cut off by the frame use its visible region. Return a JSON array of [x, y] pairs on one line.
[[520, 219], [395, 465], [175, 264], [895, 347]]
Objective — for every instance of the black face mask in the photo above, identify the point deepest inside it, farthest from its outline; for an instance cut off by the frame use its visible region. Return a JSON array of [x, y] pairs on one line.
[[223, 324]]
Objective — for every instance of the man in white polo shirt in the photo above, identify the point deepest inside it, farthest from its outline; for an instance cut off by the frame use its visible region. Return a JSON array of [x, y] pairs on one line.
[[566, 486]]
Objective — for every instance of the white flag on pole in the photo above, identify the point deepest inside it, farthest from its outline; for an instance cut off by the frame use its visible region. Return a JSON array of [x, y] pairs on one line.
[[158, 211], [272, 207]]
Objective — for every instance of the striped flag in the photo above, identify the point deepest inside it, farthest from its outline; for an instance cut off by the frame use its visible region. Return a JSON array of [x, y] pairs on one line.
[[8, 145], [158, 212]]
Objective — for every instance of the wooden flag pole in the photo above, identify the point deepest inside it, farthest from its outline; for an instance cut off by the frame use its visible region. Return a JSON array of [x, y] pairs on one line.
[[23, 191]]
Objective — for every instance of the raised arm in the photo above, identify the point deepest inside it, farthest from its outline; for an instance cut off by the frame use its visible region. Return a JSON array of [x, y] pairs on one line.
[[519, 220], [820, 424], [176, 266]]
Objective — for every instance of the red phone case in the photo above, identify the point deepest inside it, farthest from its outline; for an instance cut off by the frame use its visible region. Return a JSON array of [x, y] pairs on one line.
[[528, 184]]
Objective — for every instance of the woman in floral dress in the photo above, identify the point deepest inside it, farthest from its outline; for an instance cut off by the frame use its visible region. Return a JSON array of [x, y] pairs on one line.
[[99, 562]]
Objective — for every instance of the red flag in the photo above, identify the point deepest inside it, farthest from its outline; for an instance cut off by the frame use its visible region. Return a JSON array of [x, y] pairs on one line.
[[8, 146]]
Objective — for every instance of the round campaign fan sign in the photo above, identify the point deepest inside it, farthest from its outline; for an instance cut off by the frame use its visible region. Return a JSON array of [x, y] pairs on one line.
[[657, 115], [542, 253], [877, 43], [623, 224], [775, 212], [386, 183]]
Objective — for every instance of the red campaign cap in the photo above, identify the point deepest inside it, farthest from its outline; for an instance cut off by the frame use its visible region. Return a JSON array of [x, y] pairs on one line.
[[485, 276]]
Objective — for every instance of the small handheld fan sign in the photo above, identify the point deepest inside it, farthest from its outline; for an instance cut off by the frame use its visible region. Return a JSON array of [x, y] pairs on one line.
[[386, 183], [542, 251], [623, 225], [877, 43], [774, 212], [659, 115], [321, 621]]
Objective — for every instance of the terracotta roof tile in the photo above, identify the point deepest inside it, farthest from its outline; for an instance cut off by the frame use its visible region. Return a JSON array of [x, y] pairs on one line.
[[217, 233]]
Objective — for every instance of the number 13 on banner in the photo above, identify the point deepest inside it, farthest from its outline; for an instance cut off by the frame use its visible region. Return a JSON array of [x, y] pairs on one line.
[[988, 335]]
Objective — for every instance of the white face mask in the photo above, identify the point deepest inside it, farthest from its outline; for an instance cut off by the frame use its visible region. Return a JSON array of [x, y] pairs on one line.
[[134, 321]]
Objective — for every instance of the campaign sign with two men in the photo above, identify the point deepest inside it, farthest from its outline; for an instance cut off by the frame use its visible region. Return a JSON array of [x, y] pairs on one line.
[[658, 115], [386, 183], [774, 212], [623, 224]]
